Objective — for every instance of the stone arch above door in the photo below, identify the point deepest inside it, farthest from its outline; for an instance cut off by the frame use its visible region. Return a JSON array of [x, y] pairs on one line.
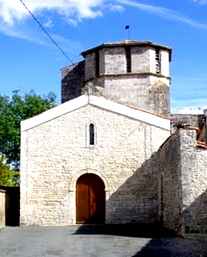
[[74, 179]]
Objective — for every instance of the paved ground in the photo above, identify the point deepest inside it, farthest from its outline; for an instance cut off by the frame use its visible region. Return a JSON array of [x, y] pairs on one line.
[[90, 241]]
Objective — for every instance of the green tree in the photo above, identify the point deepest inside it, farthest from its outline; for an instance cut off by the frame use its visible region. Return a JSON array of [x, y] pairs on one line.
[[7, 177], [13, 110]]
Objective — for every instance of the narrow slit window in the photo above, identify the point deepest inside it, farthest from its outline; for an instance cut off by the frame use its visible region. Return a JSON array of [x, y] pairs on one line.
[[157, 61], [97, 62], [128, 59], [91, 134]]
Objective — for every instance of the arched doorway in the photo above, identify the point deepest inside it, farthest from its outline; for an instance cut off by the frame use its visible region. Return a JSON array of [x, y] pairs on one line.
[[90, 200]]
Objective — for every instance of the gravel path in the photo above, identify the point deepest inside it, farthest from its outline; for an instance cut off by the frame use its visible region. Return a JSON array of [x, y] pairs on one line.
[[74, 241]]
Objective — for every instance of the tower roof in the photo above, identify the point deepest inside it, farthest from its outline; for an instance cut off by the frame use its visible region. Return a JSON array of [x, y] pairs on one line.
[[128, 43]]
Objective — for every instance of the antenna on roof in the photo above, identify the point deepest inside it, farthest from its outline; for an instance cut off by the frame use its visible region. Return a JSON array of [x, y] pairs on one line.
[[127, 27]]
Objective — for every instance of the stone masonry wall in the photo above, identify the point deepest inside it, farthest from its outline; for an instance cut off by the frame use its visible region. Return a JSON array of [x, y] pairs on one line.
[[72, 81], [170, 184], [194, 183], [2, 208], [128, 89], [140, 59], [183, 184], [164, 62], [142, 91], [194, 120], [141, 87], [54, 153], [159, 97], [114, 61], [90, 66]]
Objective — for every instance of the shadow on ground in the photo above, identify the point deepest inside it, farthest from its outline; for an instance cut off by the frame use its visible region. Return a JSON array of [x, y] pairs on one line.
[[161, 243], [173, 247], [129, 230]]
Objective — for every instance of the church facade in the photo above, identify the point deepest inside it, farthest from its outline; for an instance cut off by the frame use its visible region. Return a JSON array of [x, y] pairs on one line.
[[107, 154]]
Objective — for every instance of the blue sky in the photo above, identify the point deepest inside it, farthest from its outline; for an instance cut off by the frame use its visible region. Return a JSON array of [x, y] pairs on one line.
[[29, 60]]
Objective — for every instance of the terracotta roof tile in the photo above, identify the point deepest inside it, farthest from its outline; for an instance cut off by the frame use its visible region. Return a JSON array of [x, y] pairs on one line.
[[133, 107], [202, 144]]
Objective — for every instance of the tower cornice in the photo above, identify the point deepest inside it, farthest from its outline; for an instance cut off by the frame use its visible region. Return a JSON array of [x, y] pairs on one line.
[[128, 43]]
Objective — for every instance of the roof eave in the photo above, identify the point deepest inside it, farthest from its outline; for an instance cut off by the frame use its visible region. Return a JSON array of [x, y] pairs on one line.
[[130, 43]]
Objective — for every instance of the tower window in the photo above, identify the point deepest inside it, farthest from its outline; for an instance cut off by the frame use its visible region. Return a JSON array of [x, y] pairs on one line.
[[97, 62], [91, 134], [128, 59], [157, 61]]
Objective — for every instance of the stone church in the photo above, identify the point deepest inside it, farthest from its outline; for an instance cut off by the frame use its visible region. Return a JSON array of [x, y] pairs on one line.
[[109, 154]]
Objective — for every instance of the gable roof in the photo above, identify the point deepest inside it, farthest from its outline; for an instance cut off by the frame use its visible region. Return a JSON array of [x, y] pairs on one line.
[[81, 101]]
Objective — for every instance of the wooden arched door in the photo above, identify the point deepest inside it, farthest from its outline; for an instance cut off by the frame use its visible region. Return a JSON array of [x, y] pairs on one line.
[[90, 200]]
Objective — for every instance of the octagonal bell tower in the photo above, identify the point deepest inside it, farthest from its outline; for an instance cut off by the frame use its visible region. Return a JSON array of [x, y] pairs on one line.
[[129, 72]]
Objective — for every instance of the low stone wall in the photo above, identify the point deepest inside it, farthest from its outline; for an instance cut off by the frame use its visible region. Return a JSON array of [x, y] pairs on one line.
[[2, 207], [183, 183], [195, 120], [194, 184], [9, 206], [170, 186]]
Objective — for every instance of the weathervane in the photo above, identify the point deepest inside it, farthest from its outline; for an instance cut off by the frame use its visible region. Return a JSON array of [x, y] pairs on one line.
[[128, 30]]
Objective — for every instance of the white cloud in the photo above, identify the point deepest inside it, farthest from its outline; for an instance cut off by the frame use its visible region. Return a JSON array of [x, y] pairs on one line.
[[115, 7], [11, 11], [74, 11], [165, 13], [200, 1], [36, 36], [13, 15], [190, 110], [189, 106], [23, 33], [48, 24]]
